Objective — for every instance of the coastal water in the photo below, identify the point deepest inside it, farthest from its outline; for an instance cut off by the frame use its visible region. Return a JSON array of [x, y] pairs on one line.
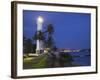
[[81, 58]]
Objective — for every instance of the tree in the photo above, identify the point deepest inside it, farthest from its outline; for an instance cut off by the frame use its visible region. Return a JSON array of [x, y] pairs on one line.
[[50, 29], [65, 59], [39, 35], [35, 36], [24, 44], [34, 48], [50, 40], [28, 46]]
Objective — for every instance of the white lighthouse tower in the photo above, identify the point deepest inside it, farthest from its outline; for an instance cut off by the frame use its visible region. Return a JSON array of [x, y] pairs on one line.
[[39, 43]]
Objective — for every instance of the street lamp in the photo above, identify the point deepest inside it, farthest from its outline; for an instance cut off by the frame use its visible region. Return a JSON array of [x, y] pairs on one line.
[[39, 45]]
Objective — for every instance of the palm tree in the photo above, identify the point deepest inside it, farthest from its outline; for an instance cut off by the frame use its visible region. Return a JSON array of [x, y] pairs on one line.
[[50, 29], [39, 35], [50, 41]]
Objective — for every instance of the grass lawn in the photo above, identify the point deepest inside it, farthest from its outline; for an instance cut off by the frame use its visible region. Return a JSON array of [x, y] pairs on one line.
[[41, 61], [35, 62]]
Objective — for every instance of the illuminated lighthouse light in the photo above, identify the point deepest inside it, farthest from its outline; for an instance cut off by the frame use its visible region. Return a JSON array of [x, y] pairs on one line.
[[40, 19]]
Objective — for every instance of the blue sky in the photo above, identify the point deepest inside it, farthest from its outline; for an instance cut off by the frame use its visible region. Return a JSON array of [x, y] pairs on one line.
[[72, 30]]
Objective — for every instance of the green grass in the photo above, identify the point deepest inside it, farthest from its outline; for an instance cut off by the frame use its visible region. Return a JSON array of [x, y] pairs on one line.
[[34, 62], [41, 64]]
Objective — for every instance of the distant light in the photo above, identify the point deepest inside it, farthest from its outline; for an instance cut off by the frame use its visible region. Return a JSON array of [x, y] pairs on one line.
[[40, 19]]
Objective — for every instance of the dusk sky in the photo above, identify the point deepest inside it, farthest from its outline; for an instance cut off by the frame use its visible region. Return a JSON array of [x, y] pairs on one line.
[[72, 30]]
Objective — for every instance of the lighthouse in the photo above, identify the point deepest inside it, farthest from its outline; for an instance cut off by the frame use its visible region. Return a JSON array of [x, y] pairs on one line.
[[39, 43]]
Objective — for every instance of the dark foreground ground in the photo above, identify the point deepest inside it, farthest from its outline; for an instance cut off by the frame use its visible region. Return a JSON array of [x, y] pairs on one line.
[[46, 61]]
